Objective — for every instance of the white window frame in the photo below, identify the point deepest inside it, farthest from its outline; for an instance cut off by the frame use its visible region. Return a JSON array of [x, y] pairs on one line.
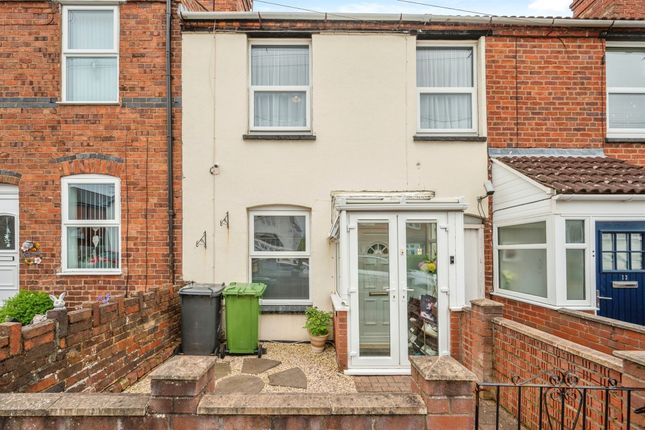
[[589, 264], [473, 91], [66, 222], [548, 246], [281, 254], [78, 53], [622, 132], [268, 88]]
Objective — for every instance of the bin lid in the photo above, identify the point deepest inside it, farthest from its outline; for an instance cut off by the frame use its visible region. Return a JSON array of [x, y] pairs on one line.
[[245, 289], [195, 289]]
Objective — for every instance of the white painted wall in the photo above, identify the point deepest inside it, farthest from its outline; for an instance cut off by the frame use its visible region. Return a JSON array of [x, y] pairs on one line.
[[364, 119]]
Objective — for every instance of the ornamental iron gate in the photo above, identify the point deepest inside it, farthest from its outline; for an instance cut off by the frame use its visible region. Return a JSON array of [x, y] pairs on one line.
[[560, 404]]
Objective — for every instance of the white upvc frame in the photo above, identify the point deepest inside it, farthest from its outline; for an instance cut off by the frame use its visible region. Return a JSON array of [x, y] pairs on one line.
[[548, 246], [79, 53], [280, 254], [473, 91], [561, 261], [66, 222], [623, 132], [278, 88]]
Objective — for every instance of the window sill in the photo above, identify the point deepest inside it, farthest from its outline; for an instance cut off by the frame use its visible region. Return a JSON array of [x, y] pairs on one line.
[[283, 309], [279, 136], [438, 138], [616, 139], [90, 273], [89, 103], [518, 298]]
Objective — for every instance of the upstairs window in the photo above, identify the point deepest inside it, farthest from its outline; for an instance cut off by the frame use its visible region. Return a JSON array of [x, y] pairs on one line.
[[91, 224], [447, 89], [626, 91], [90, 60], [280, 86]]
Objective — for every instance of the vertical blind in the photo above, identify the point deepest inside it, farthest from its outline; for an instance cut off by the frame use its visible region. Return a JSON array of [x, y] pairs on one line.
[[441, 68], [91, 75], [93, 246], [280, 66]]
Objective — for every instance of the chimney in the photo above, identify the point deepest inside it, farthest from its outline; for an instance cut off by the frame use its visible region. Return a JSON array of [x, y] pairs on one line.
[[608, 9]]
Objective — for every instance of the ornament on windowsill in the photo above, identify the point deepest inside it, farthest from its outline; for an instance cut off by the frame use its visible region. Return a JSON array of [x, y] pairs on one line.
[[31, 253]]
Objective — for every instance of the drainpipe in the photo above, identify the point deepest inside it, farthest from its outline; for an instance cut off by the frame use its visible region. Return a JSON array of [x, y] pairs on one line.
[[171, 212]]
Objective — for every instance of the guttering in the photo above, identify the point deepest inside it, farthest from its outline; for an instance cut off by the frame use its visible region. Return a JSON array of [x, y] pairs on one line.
[[600, 197], [188, 15], [169, 145]]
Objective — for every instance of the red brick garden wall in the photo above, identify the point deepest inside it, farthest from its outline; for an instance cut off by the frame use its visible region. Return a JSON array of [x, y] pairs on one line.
[[602, 334], [523, 352], [97, 348], [42, 140]]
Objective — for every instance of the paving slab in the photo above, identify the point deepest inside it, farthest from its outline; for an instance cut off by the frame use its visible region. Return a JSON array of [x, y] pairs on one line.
[[294, 378], [245, 384], [255, 366], [22, 404], [222, 370]]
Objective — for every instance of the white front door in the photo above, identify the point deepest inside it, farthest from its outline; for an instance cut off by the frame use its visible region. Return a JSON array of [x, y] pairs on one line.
[[9, 227], [398, 281]]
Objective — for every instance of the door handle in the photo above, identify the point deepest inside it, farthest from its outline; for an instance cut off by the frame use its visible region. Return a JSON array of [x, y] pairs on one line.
[[604, 298]]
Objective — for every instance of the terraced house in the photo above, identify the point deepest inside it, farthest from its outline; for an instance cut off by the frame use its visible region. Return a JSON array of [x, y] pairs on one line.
[[344, 160]]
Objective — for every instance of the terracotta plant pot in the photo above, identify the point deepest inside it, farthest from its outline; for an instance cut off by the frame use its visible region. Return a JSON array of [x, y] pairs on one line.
[[318, 343]]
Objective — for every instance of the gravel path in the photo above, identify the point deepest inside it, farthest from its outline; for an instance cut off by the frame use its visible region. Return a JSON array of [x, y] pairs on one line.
[[321, 370]]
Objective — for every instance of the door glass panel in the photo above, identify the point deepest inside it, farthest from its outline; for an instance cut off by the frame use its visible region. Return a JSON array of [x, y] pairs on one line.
[[373, 286], [621, 242], [607, 261], [421, 278], [575, 231], [607, 244], [7, 233], [621, 260], [637, 241], [637, 261]]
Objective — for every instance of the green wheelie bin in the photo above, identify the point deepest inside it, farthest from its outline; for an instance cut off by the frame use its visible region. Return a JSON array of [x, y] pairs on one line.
[[242, 305]]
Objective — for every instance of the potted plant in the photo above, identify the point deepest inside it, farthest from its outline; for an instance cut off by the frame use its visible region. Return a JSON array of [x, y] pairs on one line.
[[318, 327]]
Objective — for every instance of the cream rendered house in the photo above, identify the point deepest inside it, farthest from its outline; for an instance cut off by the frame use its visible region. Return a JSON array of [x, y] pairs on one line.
[[343, 170]]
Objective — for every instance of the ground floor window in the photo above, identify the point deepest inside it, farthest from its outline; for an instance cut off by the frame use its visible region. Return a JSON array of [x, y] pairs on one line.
[[91, 216], [522, 259], [279, 252]]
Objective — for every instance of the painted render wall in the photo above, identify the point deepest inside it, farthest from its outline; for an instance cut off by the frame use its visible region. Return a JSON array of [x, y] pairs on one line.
[[364, 119]]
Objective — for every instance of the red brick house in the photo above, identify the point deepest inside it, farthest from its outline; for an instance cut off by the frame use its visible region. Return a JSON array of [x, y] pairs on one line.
[[85, 146]]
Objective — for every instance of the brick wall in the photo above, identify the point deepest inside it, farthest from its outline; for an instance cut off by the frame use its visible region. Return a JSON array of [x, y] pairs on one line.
[[634, 9], [340, 338], [602, 334], [97, 348], [43, 141], [525, 353]]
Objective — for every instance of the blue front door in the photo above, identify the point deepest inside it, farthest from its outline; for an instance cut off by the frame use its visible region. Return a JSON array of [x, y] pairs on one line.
[[620, 270]]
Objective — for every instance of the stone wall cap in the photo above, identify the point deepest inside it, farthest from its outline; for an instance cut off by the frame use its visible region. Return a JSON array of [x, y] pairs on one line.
[[487, 303], [441, 368], [637, 357], [273, 404], [184, 368], [23, 404], [100, 405]]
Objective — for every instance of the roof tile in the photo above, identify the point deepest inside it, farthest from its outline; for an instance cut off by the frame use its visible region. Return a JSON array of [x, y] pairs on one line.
[[581, 175]]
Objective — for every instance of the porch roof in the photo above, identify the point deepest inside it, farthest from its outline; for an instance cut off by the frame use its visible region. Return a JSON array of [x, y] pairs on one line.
[[580, 175]]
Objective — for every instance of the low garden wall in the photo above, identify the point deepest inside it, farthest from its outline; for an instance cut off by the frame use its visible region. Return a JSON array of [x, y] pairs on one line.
[[100, 347], [602, 334], [443, 398]]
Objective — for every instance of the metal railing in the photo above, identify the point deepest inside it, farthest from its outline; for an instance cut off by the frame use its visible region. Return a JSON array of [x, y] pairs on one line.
[[562, 404]]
